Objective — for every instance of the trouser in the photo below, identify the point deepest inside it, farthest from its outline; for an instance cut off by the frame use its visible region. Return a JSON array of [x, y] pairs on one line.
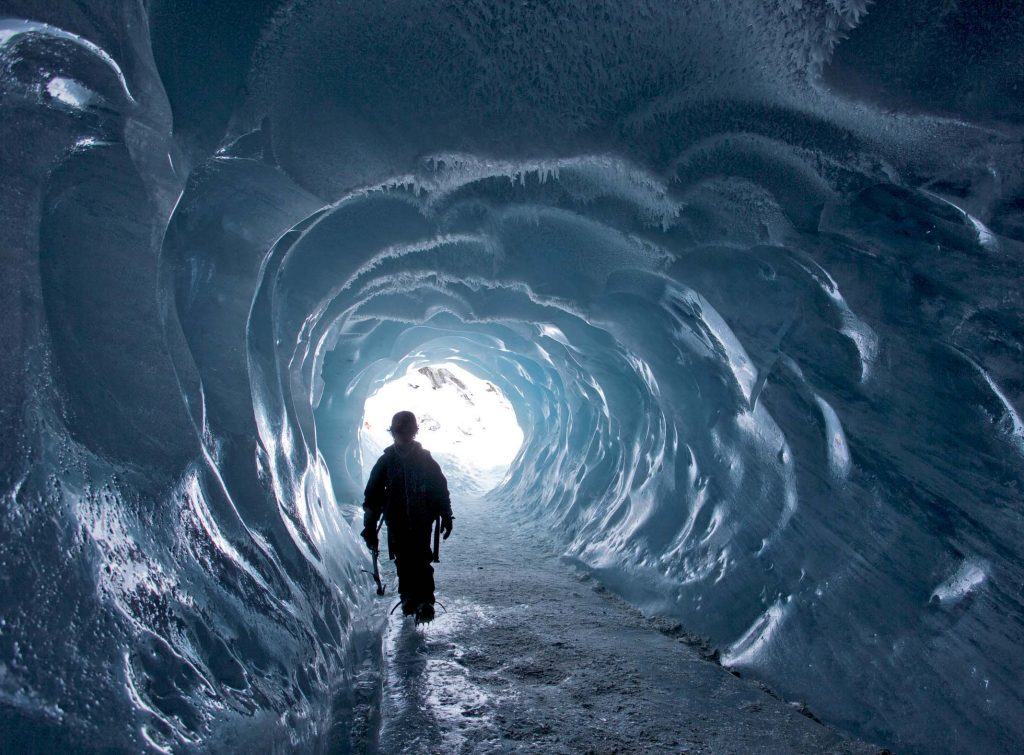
[[413, 559]]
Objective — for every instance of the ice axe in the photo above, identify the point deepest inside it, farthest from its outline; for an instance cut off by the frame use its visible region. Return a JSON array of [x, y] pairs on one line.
[[376, 574], [376, 565]]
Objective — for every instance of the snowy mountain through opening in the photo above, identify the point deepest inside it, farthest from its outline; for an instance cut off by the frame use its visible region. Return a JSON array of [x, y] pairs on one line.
[[747, 274], [466, 423]]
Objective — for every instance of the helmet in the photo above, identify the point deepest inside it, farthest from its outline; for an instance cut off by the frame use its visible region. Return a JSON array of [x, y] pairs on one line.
[[404, 422]]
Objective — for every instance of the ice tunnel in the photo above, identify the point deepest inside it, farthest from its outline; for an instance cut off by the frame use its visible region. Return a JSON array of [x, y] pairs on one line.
[[747, 274]]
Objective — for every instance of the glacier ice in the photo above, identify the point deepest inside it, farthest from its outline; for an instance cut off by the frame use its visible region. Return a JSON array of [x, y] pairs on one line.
[[753, 298]]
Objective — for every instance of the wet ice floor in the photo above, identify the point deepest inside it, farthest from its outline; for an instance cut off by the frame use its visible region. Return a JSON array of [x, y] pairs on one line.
[[531, 658]]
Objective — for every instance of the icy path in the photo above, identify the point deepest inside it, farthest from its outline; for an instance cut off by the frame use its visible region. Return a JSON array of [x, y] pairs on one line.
[[530, 658]]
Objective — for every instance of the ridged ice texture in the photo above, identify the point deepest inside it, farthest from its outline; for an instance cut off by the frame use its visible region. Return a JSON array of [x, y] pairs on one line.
[[764, 340]]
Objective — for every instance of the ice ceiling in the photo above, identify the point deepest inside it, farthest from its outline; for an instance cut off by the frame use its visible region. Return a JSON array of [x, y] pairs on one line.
[[748, 272]]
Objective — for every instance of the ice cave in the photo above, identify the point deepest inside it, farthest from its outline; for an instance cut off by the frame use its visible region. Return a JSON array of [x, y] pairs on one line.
[[742, 281]]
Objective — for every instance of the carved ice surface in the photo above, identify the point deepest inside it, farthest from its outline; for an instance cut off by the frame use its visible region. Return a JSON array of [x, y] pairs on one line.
[[748, 275]]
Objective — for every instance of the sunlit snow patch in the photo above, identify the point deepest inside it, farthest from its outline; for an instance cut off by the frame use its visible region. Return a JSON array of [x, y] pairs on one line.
[[972, 573], [69, 92]]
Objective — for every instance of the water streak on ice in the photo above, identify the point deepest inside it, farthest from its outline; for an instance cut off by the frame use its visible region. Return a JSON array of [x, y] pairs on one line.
[[835, 440], [758, 638]]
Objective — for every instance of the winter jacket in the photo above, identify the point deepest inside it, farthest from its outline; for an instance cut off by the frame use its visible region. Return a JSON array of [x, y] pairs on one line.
[[410, 490]]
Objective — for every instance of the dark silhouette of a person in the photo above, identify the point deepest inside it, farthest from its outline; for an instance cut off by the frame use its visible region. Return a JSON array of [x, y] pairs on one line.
[[407, 487]]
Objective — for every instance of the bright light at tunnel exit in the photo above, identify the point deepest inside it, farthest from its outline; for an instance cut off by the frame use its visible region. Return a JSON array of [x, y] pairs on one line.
[[466, 423]]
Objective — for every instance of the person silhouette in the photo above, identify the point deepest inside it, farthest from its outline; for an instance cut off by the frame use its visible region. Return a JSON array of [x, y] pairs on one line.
[[408, 488]]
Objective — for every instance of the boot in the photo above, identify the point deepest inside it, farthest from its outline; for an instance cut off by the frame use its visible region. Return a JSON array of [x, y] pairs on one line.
[[424, 613]]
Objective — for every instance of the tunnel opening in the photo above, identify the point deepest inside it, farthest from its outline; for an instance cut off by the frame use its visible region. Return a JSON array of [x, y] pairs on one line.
[[465, 421]]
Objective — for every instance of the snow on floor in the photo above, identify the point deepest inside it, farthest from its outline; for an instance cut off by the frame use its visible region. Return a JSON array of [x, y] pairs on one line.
[[531, 657]]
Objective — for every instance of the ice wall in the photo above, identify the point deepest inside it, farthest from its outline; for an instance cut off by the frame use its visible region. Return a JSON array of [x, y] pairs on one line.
[[754, 298]]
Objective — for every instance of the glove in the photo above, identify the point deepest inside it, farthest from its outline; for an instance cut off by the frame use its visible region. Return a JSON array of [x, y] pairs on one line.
[[369, 534], [446, 525]]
